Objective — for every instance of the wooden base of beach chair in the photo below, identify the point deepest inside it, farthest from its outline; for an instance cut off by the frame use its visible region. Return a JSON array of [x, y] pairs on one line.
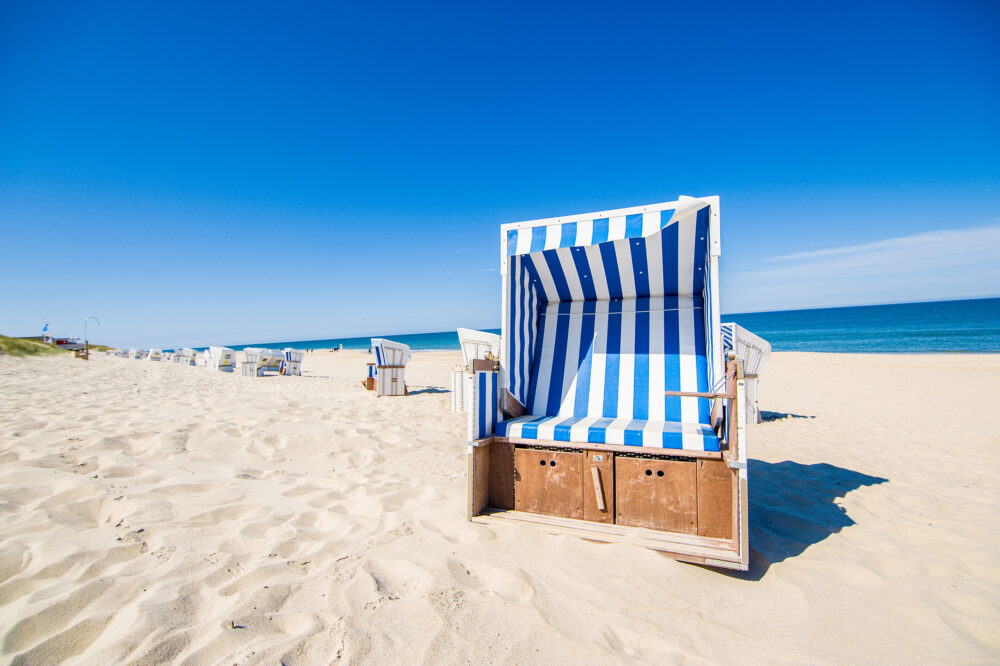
[[368, 383], [690, 507]]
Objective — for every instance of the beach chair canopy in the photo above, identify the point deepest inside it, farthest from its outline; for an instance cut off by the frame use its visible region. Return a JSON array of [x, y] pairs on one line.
[[605, 312], [476, 344]]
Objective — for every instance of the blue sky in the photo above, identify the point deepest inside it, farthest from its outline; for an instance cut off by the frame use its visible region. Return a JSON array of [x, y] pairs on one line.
[[207, 173]]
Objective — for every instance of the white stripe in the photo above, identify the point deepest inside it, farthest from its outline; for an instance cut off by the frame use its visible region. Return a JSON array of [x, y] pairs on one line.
[[597, 365], [568, 402], [650, 223], [524, 240], [615, 433], [626, 367], [584, 232], [553, 233], [623, 253], [616, 228], [654, 264], [580, 430], [597, 272]]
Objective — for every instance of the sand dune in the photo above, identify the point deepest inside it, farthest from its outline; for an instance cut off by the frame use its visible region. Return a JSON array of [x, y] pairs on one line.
[[154, 513]]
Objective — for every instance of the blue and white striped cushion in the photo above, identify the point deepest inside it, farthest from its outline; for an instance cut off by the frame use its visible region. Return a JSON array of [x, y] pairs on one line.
[[625, 432]]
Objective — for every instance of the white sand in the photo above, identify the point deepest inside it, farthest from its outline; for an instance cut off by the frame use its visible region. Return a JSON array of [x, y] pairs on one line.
[[156, 513]]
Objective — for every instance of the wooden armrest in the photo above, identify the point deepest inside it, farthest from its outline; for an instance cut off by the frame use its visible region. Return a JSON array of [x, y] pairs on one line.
[[693, 394]]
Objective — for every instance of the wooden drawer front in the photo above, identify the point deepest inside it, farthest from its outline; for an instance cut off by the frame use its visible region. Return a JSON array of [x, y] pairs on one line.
[[657, 494], [548, 482], [715, 499], [599, 480]]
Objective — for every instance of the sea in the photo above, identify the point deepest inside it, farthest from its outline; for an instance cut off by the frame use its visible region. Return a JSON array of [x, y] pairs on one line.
[[937, 326]]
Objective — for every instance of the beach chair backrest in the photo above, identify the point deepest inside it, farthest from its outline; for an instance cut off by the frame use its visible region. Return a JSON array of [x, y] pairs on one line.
[[253, 355], [294, 354], [477, 344], [389, 353], [605, 312]]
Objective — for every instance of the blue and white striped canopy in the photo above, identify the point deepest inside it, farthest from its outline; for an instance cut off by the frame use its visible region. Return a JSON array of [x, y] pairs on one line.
[[606, 314]]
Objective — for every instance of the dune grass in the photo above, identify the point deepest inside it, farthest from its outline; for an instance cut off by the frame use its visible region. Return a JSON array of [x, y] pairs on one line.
[[22, 347]]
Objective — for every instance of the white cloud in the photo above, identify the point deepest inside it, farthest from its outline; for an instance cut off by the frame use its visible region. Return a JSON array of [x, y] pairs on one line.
[[954, 263]]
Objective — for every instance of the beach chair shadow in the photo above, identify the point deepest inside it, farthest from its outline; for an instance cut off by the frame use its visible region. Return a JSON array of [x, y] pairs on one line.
[[793, 506], [429, 389], [778, 416]]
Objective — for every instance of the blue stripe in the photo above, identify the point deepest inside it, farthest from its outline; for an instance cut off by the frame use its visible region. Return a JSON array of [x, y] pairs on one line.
[[482, 407], [700, 249], [668, 238], [530, 428], [597, 433], [584, 273], [612, 371], [633, 225], [567, 237], [671, 358], [602, 227], [633, 433], [585, 359], [610, 263], [640, 268], [561, 432], [704, 411], [536, 355], [537, 239]]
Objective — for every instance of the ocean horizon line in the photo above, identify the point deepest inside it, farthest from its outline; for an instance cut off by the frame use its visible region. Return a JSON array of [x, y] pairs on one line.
[[946, 326]]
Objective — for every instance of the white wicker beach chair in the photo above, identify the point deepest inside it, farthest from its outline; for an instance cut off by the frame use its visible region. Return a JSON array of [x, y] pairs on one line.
[[293, 362], [390, 366], [221, 359], [155, 355], [250, 366], [271, 360], [614, 414], [754, 351], [185, 356]]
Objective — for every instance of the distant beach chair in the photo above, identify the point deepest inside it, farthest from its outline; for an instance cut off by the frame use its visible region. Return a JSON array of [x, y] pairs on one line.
[[754, 350], [615, 414], [387, 376], [271, 360], [185, 356], [480, 350], [221, 359], [132, 353], [250, 366], [155, 355], [293, 362]]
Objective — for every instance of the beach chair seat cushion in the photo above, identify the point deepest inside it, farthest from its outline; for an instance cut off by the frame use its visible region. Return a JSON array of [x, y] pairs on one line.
[[620, 431]]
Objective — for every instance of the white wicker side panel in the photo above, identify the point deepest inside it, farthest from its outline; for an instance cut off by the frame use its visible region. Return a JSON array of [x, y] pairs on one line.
[[458, 390], [390, 381]]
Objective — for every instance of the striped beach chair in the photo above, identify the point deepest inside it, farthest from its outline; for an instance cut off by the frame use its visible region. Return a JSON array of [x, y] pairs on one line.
[[155, 355], [220, 359], [615, 413], [389, 369]]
